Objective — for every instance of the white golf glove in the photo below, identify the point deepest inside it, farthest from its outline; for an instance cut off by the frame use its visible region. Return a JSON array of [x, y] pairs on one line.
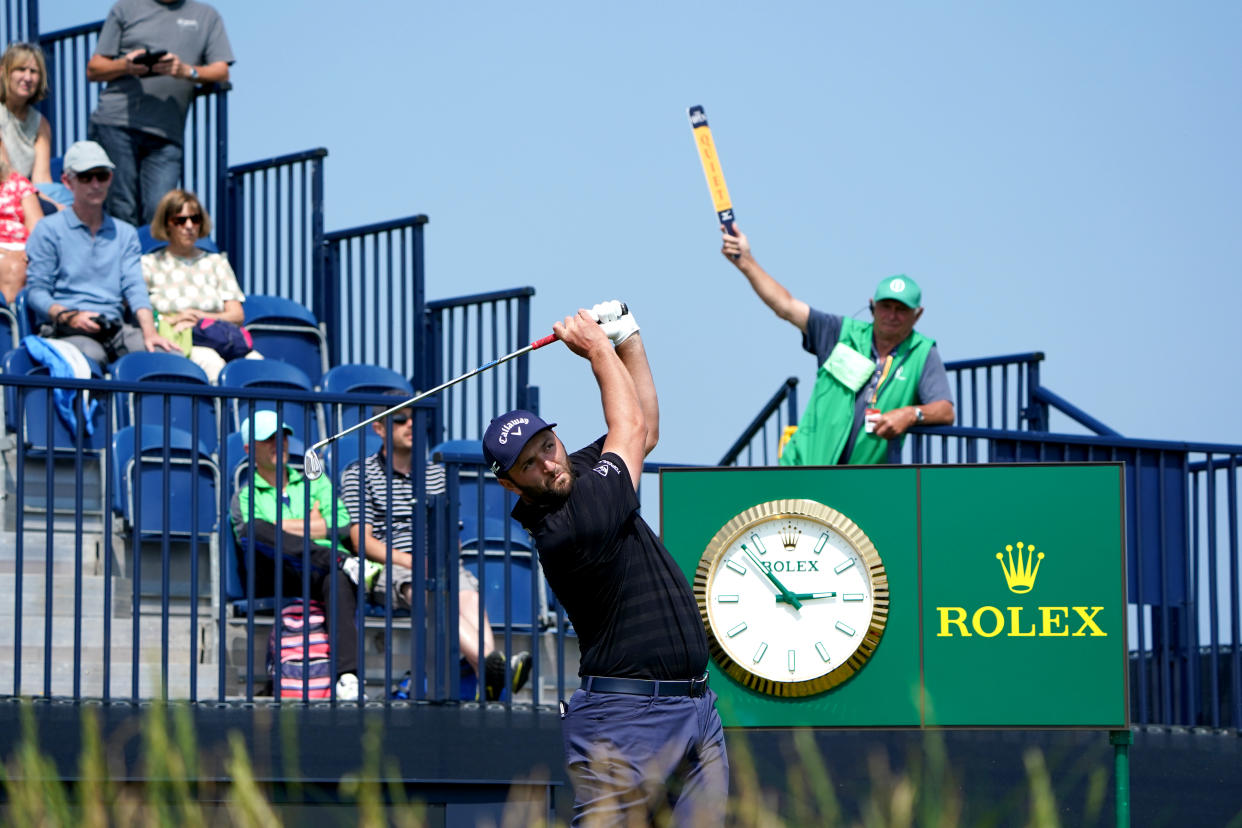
[[617, 323]]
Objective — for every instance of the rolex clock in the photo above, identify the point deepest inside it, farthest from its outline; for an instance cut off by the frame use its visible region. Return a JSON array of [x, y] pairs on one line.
[[794, 597]]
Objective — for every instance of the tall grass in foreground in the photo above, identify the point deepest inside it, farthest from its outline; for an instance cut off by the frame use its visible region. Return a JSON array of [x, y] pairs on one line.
[[175, 793]]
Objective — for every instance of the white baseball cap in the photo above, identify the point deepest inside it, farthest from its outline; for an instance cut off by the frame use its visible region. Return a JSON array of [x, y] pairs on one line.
[[86, 155]]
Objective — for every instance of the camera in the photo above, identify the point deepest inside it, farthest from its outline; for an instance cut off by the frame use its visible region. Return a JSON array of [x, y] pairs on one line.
[[108, 327]]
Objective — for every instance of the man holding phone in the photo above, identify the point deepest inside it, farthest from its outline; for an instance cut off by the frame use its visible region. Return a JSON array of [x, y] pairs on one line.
[[151, 53]]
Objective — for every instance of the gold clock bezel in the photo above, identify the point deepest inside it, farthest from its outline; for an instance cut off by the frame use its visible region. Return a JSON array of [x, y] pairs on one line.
[[831, 519]]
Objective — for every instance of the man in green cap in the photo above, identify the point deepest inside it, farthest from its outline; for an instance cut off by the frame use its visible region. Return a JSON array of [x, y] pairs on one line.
[[876, 379]]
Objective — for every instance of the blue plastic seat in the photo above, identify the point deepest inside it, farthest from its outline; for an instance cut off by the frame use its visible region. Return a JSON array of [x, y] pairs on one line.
[[182, 500], [286, 331], [269, 373], [359, 379], [27, 323], [497, 502], [497, 505], [31, 420], [492, 584], [159, 366], [9, 329], [339, 454]]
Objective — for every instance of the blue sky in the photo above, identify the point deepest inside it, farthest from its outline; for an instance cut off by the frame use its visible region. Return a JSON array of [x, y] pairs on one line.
[[1062, 177]]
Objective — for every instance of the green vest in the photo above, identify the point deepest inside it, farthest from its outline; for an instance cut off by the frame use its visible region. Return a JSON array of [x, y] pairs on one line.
[[829, 416]]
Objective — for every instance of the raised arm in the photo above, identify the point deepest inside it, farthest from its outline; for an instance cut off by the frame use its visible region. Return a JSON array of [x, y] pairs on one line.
[[623, 413], [622, 330], [736, 248], [634, 357]]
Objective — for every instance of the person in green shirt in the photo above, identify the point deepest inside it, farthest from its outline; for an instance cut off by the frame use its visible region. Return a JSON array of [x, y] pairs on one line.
[[875, 380], [279, 515]]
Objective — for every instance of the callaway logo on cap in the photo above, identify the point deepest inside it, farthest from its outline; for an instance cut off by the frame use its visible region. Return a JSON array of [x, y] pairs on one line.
[[507, 435]]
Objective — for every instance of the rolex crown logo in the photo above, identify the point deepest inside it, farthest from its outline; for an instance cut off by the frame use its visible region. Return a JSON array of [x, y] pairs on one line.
[[789, 537], [1020, 575]]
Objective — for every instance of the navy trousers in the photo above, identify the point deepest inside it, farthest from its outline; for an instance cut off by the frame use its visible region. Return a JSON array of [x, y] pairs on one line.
[[630, 757]]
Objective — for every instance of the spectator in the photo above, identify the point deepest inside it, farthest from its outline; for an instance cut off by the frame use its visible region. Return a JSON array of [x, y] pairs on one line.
[[876, 379], [371, 500], [274, 510], [84, 267], [25, 133], [189, 285], [19, 212], [642, 732], [140, 119]]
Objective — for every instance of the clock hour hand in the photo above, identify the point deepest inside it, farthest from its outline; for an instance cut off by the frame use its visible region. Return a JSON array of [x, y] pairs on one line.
[[804, 596], [786, 596]]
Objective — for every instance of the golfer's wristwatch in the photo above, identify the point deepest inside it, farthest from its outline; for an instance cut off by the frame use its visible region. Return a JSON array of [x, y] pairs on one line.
[[918, 415]]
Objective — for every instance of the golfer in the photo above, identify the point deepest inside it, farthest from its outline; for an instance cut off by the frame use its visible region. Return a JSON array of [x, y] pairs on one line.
[[642, 733]]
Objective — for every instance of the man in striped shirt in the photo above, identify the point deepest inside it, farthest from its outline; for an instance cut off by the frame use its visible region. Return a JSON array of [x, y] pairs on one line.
[[388, 523]]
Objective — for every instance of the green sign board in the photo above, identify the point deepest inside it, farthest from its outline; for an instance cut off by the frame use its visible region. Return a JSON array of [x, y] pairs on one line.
[[906, 596]]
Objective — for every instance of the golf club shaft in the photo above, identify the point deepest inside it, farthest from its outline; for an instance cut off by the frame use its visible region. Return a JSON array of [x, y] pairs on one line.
[[538, 343]]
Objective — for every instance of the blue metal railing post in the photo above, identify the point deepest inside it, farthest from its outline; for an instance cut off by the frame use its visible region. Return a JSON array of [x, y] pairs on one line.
[[1036, 410], [418, 310], [221, 203], [319, 284], [522, 383]]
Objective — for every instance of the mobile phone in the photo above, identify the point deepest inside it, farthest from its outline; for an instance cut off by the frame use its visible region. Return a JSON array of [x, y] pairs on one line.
[[151, 57]]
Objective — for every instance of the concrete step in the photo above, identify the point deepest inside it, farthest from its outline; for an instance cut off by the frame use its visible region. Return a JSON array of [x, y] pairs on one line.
[[61, 558], [62, 589], [150, 632], [91, 682]]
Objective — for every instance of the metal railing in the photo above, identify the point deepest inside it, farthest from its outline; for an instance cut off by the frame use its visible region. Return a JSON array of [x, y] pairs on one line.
[[762, 436], [1181, 527], [275, 227], [998, 392], [1182, 558], [377, 269], [72, 98], [152, 610], [465, 332], [21, 20]]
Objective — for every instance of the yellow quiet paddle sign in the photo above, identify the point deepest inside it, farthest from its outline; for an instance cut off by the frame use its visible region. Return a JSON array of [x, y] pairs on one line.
[[711, 166]]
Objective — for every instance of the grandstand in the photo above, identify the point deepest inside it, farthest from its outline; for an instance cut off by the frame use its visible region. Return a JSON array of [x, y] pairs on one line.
[[122, 576]]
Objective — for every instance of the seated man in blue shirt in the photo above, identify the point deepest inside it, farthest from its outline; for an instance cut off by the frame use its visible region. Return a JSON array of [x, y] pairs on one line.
[[85, 266]]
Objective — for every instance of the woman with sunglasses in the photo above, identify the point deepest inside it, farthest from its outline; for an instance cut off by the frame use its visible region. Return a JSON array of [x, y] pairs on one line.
[[188, 285]]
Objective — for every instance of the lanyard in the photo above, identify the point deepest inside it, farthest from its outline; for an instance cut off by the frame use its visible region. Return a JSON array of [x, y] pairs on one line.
[[888, 363]]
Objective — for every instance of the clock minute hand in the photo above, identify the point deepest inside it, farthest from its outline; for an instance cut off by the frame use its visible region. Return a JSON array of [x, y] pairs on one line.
[[786, 596], [805, 596]]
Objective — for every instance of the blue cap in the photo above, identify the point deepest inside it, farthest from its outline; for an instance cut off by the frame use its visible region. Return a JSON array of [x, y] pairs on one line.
[[507, 435], [265, 425]]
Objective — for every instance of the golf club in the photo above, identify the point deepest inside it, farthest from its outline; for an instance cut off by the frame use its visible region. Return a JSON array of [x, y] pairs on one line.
[[313, 465]]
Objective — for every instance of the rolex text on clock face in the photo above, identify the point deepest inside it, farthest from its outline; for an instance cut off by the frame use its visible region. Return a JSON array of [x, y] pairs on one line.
[[794, 597]]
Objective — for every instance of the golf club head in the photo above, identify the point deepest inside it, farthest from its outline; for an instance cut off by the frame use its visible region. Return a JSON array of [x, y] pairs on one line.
[[312, 465]]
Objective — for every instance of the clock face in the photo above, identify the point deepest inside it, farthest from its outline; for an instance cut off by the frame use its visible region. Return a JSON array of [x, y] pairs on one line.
[[794, 597]]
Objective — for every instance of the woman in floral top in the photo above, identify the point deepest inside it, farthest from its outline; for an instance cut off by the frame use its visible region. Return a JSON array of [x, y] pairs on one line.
[[19, 210], [187, 284]]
